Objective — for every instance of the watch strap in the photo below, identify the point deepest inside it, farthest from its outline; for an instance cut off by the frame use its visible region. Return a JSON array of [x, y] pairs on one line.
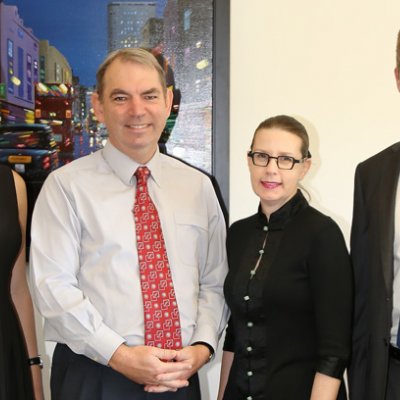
[[35, 361]]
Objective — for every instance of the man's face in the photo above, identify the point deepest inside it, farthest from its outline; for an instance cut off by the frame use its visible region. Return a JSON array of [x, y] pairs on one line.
[[133, 108]]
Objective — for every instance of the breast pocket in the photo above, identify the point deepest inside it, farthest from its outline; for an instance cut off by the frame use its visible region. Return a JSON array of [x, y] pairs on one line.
[[192, 238]]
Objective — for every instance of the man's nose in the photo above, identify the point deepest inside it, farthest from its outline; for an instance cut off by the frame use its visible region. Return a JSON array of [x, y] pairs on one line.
[[136, 107]]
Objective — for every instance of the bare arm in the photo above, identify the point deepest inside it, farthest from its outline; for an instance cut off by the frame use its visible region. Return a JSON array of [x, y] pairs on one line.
[[227, 360], [20, 292], [324, 387]]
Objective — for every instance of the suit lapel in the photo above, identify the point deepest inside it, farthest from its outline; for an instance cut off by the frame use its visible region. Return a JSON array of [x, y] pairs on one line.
[[386, 210]]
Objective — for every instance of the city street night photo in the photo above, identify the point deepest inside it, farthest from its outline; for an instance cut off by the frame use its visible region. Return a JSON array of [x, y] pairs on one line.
[[50, 51]]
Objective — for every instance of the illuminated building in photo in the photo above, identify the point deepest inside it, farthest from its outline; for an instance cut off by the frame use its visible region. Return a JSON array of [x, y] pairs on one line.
[[125, 22], [54, 67], [19, 52]]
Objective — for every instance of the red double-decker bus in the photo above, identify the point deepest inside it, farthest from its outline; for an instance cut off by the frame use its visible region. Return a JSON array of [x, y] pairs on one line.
[[53, 106]]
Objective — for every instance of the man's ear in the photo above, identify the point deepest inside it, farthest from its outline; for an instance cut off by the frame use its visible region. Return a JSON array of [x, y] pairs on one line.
[[97, 107], [169, 98]]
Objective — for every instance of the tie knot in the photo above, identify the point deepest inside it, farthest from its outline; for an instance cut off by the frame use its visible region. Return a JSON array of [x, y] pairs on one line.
[[142, 173]]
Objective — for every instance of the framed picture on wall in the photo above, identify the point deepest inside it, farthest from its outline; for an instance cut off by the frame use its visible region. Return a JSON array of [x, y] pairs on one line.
[[50, 51]]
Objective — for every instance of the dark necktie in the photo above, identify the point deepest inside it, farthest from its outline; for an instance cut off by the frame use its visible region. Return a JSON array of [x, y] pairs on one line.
[[161, 314]]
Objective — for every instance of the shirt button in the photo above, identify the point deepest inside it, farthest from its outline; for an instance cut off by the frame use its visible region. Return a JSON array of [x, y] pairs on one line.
[[249, 373], [249, 398], [249, 349], [265, 228], [261, 251], [246, 298], [250, 324]]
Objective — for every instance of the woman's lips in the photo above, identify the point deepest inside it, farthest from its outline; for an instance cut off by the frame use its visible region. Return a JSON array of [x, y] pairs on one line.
[[270, 185]]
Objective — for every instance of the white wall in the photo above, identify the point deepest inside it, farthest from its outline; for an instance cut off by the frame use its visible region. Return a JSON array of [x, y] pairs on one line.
[[328, 63], [331, 65]]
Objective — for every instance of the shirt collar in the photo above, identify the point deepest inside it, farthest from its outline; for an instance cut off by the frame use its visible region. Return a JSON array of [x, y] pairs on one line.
[[281, 217], [124, 167]]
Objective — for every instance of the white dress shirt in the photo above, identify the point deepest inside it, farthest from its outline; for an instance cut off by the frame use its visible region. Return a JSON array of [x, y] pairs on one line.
[[84, 262]]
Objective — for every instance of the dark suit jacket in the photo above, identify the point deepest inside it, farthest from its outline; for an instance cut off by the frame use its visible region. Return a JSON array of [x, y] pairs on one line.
[[372, 238]]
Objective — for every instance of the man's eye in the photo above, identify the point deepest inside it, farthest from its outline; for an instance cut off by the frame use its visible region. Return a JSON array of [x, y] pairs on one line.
[[261, 156], [119, 98], [150, 97]]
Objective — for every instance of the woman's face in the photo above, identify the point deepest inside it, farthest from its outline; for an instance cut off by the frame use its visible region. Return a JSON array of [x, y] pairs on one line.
[[272, 185]]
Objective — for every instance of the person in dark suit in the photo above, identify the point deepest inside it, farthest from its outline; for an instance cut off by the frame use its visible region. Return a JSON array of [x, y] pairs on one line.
[[289, 285], [374, 372]]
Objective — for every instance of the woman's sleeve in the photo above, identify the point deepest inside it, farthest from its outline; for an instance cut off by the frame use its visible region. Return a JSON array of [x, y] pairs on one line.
[[229, 343], [332, 292]]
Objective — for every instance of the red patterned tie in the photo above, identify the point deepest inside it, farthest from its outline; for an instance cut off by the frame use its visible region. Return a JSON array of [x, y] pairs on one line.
[[161, 314]]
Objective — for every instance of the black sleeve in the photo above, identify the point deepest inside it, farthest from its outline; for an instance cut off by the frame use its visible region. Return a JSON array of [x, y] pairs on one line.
[[359, 255], [357, 373], [331, 288], [229, 343]]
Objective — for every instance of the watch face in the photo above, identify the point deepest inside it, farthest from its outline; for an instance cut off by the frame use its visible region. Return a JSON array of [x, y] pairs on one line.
[[36, 361]]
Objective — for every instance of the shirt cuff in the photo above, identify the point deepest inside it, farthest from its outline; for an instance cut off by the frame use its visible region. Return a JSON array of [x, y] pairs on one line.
[[103, 344], [206, 336], [332, 366]]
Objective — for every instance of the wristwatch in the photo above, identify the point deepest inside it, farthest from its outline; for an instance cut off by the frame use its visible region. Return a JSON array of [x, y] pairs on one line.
[[35, 361], [210, 348]]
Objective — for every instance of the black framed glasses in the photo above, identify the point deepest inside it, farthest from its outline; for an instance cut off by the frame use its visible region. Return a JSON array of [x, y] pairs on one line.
[[284, 162]]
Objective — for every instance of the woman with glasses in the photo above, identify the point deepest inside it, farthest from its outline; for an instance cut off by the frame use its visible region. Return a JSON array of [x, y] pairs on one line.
[[289, 285]]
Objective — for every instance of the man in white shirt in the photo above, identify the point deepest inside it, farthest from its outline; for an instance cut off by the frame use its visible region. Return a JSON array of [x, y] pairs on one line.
[[85, 271], [374, 372]]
